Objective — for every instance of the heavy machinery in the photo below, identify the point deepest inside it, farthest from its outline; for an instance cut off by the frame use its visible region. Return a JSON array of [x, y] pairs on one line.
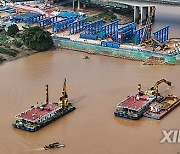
[[154, 90], [147, 32], [152, 41]]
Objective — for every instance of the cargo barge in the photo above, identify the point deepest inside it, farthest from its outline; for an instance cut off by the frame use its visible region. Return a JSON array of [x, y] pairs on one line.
[[149, 104], [134, 106], [158, 110], [41, 115]]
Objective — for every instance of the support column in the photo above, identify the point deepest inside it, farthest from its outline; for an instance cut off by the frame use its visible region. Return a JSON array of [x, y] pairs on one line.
[[152, 12], [143, 15], [84, 3], [136, 14], [73, 5], [89, 2], [78, 4]]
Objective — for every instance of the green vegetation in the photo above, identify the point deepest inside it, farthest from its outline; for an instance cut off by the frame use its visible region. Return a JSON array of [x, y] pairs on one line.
[[108, 16], [12, 30], [17, 43], [37, 38], [3, 38], [9, 52]]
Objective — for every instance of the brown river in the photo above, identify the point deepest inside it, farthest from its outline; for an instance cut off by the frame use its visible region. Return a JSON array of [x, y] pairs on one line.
[[95, 86]]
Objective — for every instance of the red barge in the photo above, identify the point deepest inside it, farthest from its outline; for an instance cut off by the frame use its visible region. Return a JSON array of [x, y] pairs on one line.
[[149, 104], [40, 115], [134, 106]]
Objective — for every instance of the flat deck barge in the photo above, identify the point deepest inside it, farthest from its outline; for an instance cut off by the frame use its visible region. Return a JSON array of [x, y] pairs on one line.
[[41, 115], [134, 106], [158, 110]]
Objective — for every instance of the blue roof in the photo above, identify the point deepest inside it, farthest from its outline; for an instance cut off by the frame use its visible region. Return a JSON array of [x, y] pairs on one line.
[[67, 14]]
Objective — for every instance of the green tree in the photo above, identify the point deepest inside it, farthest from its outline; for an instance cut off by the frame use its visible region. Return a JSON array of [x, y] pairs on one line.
[[12, 30], [37, 38]]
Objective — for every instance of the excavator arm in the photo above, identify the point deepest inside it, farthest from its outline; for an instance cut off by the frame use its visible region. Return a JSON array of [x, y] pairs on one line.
[[154, 90]]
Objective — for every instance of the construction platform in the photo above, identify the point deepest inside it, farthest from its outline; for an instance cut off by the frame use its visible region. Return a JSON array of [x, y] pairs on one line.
[[157, 110], [134, 106]]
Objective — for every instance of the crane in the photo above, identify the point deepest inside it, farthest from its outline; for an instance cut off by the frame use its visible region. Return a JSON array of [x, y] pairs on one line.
[[154, 90], [64, 98]]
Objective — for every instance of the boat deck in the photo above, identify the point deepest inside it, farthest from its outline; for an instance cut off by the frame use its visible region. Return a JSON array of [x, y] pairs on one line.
[[36, 112], [168, 104], [134, 104]]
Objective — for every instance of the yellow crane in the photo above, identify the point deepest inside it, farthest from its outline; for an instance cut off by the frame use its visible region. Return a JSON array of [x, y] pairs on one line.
[[63, 102], [154, 90]]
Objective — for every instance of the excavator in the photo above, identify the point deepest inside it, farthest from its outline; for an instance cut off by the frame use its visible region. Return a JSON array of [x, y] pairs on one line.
[[154, 90], [152, 41]]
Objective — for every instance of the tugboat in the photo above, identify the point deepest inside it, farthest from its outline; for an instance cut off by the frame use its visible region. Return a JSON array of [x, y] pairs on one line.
[[54, 145], [40, 115]]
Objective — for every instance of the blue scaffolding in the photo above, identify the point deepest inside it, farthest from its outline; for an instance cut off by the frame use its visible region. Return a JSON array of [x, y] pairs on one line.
[[143, 32], [47, 21], [89, 36], [61, 25], [162, 35], [28, 18], [110, 29], [77, 26], [93, 28], [34, 19], [127, 32]]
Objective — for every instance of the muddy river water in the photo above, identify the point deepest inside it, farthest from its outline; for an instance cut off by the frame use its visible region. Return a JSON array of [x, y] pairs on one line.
[[95, 86]]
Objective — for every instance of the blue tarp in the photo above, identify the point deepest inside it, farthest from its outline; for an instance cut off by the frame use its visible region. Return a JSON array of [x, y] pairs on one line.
[[67, 14]]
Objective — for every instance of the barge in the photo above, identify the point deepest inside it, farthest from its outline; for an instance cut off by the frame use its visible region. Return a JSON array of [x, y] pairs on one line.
[[158, 110], [150, 104], [41, 115], [134, 106]]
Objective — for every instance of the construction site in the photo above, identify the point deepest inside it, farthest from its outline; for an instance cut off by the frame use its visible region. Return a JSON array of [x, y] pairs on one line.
[[75, 29]]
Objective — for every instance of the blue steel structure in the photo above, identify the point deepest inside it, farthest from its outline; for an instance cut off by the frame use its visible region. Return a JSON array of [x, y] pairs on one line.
[[61, 25], [77, 26], [127, 32], [162, 34], [141, 32], [93, 28], [48, 21], [35, 19], [89, 36], [110, 44], [110, 29], [27, 18]]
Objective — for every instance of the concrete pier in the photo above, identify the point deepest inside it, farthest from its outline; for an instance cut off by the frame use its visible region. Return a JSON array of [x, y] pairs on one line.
[[136, 13], [78, 5], [73, 5], [142, 13]]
